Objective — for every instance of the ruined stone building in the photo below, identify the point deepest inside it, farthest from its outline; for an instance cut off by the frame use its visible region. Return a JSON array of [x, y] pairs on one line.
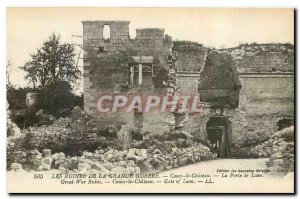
[[114, 64], [248, 91]]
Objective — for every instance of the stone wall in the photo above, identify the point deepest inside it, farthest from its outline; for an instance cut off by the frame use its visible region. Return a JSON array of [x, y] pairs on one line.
[[269, 62], [190, 58], [106, 61], [188, 82], [267, 93], [248, 129], [264, 57], [266, 97], [266, 74]]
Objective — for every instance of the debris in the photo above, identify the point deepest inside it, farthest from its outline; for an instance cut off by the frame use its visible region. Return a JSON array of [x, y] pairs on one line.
[[16, 167], [84, 167], [45, 164], [44, 119], [279, 149], [124, 137]]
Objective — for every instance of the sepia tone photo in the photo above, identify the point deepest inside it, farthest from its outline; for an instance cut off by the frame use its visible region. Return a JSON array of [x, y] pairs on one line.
[[150, 100]]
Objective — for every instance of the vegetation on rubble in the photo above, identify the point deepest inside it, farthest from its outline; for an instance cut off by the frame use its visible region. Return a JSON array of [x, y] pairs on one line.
[[187, 46], [279, 149], [78, 143], [52, 70]]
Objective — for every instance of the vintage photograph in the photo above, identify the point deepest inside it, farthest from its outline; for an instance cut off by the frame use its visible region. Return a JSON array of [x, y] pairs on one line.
[[150, 100]]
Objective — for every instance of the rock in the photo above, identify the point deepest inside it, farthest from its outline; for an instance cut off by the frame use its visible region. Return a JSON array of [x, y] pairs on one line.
[[55, 156], [110, 131], [120, 170], [102, 139], [87, 154], [63, 168], [93, 135], [16, 167], [174, 150], [187, 134], [182, 160], [180, 120], [108, 165], [124, 137], [133, 170], [20, 157], [137, 134], [137, 170], [116, 156], [131, 163], [99, 151], [143, 153], [46, 164], [276, 155], [145, 166], [108, 157], [34, 158], [132, 156], [100, 167], [93, 171], [34, 152], [84, 167], [121, 164], [287, 133], [12, 129], [156, 151], [94, 130], [84, 160], [278, 162], [61, 156], [46, 152]]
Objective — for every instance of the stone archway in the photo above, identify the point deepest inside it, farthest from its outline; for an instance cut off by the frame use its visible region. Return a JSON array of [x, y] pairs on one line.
[[219, 134]]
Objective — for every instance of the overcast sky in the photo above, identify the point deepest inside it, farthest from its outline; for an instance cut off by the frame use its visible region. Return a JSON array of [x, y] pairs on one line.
[[27, 28]]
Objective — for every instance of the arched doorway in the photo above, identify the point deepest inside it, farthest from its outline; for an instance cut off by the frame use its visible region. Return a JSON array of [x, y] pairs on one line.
[[219, 134]]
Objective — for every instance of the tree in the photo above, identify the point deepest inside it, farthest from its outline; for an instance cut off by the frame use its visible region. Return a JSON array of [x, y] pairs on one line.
[[53, 62], [36, 69]]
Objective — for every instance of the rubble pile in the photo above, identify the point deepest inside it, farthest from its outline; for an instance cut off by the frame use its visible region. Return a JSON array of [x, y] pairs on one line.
[[109, 160], [66, 145], [279, 149], [12, 129], [44, 118], [35, 137], [72, 135]]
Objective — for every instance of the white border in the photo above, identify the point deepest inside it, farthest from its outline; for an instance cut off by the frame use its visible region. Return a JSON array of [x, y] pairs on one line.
[[110, 3]]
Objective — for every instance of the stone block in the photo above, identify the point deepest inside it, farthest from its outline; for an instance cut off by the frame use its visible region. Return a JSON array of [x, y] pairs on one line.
[[84, 166], [16, 167], [46, 152]]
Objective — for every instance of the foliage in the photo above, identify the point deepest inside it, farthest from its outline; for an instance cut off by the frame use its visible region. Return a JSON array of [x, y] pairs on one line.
[[14, 148], [51, 70], [58, 99], [51, 63], [187, 46], [16, 96]]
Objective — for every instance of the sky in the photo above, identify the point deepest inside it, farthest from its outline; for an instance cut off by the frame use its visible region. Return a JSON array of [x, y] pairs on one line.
[[27, 28]]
